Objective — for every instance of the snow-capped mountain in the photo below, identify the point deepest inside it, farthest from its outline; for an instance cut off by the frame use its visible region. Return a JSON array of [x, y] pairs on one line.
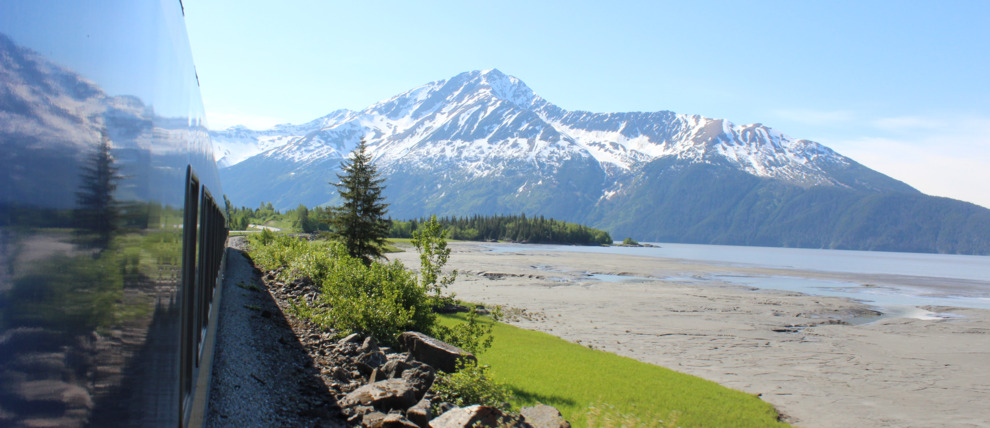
[[478, 121], [238, 143], [484, 142]]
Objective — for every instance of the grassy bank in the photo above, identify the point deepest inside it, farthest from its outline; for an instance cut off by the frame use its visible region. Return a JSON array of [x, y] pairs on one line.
[[596, 388]]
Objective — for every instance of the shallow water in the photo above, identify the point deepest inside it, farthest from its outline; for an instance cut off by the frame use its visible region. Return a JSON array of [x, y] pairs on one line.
[[890, 299], [865, 262]]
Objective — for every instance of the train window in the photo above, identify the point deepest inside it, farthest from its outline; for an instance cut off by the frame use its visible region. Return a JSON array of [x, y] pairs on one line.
[[188, 342], [204, 236]]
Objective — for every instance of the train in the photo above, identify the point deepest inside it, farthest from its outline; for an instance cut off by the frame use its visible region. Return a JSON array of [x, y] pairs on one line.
[[112, 217]]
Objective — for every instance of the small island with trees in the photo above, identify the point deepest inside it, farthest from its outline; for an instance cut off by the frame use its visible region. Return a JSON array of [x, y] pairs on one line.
[[629, 242]]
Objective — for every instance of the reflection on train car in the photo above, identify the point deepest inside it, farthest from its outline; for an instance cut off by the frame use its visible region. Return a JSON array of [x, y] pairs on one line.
[[111, 239]]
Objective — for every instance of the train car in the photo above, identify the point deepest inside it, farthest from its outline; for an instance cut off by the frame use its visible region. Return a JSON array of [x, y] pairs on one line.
[[112, 228]]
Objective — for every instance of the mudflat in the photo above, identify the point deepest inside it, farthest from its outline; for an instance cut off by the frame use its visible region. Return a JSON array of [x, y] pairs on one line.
[[821, 361]]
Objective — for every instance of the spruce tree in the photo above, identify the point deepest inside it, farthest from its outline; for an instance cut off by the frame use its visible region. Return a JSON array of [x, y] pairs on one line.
[[97, 211], [360, 222]]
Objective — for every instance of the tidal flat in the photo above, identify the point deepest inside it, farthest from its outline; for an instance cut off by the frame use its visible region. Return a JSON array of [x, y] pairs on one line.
[[821, 360]]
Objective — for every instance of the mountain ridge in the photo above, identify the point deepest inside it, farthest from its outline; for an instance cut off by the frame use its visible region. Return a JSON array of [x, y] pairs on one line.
[[482, 142]]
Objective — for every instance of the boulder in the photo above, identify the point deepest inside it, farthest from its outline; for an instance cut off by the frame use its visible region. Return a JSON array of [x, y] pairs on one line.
[[420, 414], [394, 368], [393, 420], [386, 395], [54, 393], [378, 419], [367, 362], [373, 419], [543, 416], [356, 413], [471, 416], [440, 355], [370, 345], [420, 378], [354, 339]]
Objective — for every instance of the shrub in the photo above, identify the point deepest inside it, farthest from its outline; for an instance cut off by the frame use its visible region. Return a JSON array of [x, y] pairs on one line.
[[377, 299], [431, 243], [271, 251], [473, 335], [469, 385], [381, 300]]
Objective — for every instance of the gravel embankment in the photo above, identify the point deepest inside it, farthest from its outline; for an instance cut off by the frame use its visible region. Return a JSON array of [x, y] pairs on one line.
[[263, 375]]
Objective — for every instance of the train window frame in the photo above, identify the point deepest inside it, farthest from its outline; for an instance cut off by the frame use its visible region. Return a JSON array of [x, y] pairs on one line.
[[189, 247], [204, 258]]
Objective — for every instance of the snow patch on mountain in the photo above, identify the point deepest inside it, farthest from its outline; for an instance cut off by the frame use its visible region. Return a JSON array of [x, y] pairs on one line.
[[478, 123]]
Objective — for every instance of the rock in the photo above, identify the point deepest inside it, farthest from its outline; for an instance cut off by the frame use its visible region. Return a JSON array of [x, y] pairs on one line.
[[376, 376], [440, 355], [353, 338], [420, 414], [445, 406], [373, 419], [54, 391], [373, 359], [339, 373], [370, 345], [50, 365], [471, 416], [394, 368], [360, 411], [393, 420], [29, 339], [420, 378], [543, 416], [391, 394]]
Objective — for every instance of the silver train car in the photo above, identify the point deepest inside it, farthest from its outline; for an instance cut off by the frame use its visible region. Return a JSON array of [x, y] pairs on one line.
[[112, 225]]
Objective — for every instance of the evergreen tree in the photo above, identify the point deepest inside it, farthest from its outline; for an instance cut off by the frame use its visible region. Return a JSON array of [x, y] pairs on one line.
[[96, 210], [360, 222], [302, 221]]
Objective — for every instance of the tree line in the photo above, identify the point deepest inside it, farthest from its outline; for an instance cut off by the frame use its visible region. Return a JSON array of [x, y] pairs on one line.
[[514, 228]]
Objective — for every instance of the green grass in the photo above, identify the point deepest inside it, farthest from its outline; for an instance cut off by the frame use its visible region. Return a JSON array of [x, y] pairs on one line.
[[281, 223], [596, 388], [390, 248]]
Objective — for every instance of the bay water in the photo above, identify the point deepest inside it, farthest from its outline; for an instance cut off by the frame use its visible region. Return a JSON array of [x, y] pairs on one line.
[[908, 280]]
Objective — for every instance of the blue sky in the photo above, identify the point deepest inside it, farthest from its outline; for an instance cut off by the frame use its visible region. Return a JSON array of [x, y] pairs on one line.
[[900, 87]]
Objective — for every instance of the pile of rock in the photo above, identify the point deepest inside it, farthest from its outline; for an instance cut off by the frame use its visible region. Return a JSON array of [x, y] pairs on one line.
[[377, 386], [398, 390]]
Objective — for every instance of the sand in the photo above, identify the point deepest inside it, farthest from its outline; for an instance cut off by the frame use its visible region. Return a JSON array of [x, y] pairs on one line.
[[811, 357]]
